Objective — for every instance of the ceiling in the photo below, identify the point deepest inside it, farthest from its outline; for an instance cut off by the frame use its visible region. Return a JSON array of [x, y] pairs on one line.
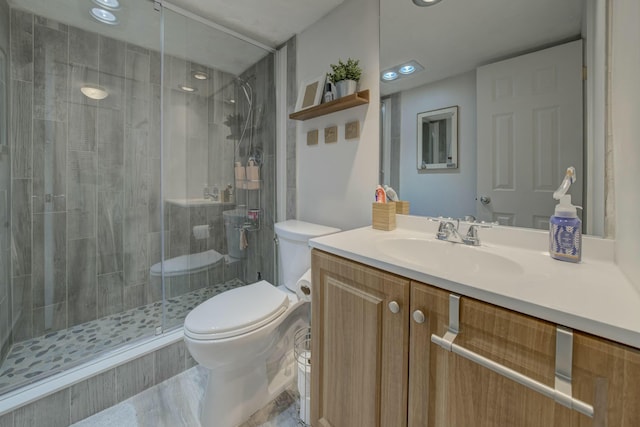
[[456, 36], [271, 22]]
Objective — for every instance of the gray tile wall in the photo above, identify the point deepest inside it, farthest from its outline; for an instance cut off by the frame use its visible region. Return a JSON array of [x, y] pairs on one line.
[[292, 92], [103, 390], [6, 316]]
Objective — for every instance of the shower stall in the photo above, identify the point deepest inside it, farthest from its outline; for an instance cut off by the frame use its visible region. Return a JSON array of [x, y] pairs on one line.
[[119, 147]]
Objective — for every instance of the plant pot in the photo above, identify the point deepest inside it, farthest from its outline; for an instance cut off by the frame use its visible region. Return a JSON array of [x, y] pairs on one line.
[[346, 87]]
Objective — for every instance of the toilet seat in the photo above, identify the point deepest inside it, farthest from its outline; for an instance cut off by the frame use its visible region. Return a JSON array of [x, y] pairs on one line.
[[236, 312], [192, 263]]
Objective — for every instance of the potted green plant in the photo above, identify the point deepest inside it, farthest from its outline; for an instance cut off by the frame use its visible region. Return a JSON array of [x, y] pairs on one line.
[[345, 76]]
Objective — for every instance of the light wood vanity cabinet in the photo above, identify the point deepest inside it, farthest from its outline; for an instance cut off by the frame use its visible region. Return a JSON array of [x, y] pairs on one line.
[[426, 385], [461, 393], [359, 345]]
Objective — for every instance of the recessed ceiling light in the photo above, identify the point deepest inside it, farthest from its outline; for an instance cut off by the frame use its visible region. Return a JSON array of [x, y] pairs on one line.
[[186, 88], [94, 92], [104, 16], [200, 75], [109, 4], [389, 75], [407, 69], [423, 3], [401, 71]]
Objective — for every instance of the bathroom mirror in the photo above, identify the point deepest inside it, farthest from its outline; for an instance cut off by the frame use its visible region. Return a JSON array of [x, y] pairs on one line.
[[438, 139], [480, 34]]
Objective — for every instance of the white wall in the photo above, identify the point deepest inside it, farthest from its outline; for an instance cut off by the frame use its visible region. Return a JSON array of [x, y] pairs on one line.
[[625, 128], [336, 182], [447, 192]]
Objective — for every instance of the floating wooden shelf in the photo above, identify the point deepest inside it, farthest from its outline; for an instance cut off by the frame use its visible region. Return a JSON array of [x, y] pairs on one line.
[[339, 104]]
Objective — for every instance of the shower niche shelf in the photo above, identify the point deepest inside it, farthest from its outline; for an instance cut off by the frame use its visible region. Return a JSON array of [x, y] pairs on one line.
[[249, 195], [349, 101]]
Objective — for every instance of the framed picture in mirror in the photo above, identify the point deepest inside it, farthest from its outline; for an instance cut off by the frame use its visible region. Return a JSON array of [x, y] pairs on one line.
[[437, 139]]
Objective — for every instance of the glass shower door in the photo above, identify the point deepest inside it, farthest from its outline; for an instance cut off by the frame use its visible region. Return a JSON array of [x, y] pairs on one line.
[[218, 96]]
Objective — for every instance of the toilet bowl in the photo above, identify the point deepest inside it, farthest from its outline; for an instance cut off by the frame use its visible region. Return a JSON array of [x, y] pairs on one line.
[[187, 264], [244, 336]]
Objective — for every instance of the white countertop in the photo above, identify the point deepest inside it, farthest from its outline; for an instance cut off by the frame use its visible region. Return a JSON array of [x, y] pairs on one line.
[[593, 296]]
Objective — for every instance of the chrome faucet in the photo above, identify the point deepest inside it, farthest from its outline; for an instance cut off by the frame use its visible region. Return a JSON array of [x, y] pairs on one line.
[[448, 231]]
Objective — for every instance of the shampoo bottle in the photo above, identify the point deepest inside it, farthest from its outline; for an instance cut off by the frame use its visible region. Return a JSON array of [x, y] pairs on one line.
[[565, 228], [253, 175], [240, 175]]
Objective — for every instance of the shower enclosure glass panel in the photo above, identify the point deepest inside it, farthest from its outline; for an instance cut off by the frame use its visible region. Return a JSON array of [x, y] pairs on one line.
[[82, 110], [215, 90], [113, 134]]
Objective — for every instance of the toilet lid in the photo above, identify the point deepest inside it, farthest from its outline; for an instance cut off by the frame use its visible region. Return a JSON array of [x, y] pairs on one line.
[[236, 312]]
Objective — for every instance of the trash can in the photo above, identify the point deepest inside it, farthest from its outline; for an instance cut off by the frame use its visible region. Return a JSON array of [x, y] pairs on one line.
[[302, 353], [234, 221]]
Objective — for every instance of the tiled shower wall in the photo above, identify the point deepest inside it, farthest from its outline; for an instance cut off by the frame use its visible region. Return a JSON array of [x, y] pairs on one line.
[[5, 188], [292, 92], [86, 174]]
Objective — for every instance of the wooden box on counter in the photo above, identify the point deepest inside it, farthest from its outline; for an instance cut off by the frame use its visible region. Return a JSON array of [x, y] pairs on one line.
[[402, 207], [383, 216]]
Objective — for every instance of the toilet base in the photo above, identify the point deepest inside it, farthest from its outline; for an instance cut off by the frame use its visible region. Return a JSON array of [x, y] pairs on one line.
[[244, 391]]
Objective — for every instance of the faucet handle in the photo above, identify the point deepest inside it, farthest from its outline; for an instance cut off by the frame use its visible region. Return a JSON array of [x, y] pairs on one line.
[[472, 234]]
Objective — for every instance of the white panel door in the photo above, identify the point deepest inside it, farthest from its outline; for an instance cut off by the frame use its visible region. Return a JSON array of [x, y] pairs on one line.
[[529, 132]]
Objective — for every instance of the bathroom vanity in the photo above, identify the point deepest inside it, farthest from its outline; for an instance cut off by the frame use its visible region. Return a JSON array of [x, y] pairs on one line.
[[490, 336]]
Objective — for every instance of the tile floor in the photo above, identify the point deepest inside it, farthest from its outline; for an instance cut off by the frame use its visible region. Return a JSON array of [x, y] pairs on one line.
[[34, 359], [176, 403]]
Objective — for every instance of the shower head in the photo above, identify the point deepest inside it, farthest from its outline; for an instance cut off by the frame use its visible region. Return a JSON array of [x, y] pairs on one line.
[[244, 81]]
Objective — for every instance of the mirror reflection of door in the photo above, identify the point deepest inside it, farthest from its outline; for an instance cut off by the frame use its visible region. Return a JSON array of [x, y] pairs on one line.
[[529, 131]]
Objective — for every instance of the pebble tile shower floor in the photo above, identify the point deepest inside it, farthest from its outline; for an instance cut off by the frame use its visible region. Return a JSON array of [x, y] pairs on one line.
[[31, 360]]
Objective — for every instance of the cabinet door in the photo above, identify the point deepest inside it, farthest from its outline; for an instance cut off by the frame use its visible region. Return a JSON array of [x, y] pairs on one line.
[[447, 390], [607, 375], [359, 345]]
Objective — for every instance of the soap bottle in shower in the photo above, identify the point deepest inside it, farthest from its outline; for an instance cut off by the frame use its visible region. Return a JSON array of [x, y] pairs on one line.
[[240, 175], [253, 175]]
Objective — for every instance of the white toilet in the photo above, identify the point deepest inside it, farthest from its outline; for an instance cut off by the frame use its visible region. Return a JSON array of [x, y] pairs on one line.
[[244, 336]]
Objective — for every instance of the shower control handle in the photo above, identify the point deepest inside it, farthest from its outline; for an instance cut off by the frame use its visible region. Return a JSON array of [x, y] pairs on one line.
[[394, 307]]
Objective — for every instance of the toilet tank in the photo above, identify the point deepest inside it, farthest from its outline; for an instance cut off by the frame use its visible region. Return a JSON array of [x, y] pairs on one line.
[[294, 253]]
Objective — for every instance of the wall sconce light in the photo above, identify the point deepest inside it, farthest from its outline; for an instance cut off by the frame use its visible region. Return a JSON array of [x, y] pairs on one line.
[[425, 3], [94, 92]]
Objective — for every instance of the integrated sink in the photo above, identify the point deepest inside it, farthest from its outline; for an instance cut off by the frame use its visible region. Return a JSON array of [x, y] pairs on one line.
[[439, 256]]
